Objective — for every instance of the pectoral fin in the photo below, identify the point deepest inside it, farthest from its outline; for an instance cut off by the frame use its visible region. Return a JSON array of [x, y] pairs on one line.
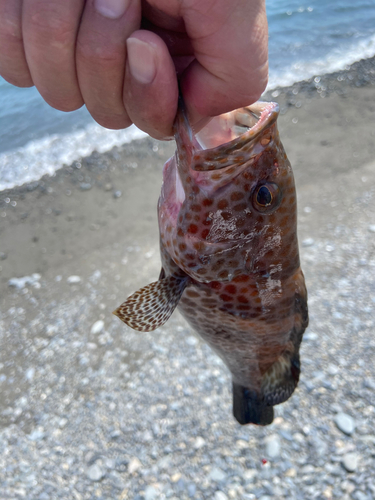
[[152, 305]]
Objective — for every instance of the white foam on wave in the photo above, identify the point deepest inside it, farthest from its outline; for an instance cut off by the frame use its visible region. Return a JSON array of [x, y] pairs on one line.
[[44, 156], [336, 60]]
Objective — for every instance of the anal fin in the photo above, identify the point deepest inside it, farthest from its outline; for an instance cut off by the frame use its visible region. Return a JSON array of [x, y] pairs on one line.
[[152, 305]]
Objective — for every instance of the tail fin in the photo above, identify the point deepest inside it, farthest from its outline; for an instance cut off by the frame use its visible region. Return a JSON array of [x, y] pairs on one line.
[[249, 409]]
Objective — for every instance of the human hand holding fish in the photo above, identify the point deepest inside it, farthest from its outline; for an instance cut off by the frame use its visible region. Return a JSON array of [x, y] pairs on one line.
[[120, 57]]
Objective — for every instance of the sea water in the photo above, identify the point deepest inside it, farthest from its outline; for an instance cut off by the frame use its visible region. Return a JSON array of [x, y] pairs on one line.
[[306, 38]]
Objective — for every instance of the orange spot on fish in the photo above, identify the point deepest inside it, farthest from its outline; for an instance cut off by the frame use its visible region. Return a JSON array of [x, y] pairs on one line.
[[216, 285], [225, 297], [242, 299], [222, 204], [230, 289], [241, 278], [236, 196]]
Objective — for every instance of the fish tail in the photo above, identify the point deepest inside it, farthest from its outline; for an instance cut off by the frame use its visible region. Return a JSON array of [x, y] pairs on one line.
[[248, 408]]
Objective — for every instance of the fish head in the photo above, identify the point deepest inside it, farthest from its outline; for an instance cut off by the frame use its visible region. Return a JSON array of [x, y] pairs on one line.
[[228, 201]]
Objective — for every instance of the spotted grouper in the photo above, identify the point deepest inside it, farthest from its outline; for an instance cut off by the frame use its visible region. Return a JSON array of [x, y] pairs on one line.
[[229, 251]]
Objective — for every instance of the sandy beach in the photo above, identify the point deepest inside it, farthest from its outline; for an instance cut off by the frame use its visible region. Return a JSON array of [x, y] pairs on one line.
[[90, 409]]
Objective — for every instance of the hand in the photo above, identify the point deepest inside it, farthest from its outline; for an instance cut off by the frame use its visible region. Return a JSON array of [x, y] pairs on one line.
[[93, 52]]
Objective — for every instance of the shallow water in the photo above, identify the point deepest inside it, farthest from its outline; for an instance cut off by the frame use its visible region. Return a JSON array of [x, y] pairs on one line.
[[305, 39]]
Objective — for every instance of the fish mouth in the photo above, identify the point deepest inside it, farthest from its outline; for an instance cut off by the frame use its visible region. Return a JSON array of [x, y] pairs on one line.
[[231, 132]]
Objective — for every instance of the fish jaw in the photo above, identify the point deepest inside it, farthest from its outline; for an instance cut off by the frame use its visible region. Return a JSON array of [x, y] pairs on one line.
[[208, 221]]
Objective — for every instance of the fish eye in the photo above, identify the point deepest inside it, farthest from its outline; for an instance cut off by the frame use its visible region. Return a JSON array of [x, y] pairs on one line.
[[266, 197]]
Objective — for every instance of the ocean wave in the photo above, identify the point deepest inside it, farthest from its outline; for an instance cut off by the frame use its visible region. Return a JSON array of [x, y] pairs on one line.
[[336, 60], [44, 156]]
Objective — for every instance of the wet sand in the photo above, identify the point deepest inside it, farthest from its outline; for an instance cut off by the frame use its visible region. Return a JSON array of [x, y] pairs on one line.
[[88, 237], [327, 127]]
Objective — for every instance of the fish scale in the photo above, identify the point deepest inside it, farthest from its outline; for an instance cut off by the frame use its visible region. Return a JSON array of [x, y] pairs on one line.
[[229, 251]]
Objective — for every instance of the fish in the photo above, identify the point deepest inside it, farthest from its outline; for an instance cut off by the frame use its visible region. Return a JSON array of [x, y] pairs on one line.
[[229, 253]]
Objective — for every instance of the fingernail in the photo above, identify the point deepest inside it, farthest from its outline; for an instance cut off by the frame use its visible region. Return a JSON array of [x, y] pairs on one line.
[[141, 60], [111, 8]]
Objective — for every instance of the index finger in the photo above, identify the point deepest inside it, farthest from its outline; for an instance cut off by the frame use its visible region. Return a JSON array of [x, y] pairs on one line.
[[231, 56], [13, 65], [50, 30]]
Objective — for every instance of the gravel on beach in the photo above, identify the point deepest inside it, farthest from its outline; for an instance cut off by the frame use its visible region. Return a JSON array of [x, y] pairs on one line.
[[90, 409]]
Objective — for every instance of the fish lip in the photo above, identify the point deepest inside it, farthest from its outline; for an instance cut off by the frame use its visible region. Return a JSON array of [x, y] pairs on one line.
[[268, 113]]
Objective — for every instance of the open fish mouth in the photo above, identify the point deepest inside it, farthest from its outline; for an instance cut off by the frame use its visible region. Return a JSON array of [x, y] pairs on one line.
[[230, 131]]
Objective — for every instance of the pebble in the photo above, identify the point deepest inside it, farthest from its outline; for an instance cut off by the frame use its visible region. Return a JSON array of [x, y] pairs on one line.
[[117, 194], [291, 473], [150, 493], [371, 228], [95, 472], [97, 327], [37, 434], [369, 383], [345, 423], [308, 242], [199, 442], [320, 447], [272, 443], [347, 486], [310, 336], [85, 186], [134, 465], [192, 341], [249, 474], [29, 374], [51, 330], [333, 369], [191, 489], [350, 461], [219, 495], [359, 495], [217, 475], [20, 283], [73, 279]]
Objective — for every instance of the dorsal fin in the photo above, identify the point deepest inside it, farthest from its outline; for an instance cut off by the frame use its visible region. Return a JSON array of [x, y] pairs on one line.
[[152, 305]]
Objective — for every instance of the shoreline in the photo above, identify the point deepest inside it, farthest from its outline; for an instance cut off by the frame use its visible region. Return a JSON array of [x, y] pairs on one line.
[[334, 119], [358, 75]]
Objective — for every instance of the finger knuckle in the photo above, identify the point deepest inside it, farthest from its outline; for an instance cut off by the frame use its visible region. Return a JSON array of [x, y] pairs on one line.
[[10, 32], [55, 27], [102, 54]]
